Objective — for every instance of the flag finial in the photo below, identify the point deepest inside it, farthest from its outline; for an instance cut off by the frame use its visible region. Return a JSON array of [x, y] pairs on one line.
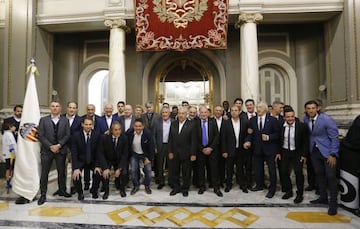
[[32, 68]]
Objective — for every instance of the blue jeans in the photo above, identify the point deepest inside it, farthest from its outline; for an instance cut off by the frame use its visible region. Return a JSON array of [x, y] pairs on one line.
[[135, 159]]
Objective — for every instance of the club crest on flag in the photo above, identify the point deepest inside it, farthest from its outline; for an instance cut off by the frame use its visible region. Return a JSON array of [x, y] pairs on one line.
[[29, 132]]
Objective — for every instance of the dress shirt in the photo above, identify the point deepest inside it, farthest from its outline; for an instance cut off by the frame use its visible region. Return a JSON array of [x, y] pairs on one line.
[[263, 117], [181, 125], [70, 119], [286, 136], [127, 122], [166, 130], [236, 126], [108, 120], [250, 115], [85, 135], [136, 144], [218, 122], [55, 119]]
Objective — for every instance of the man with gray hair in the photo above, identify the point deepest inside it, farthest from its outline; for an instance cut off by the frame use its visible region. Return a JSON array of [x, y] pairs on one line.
[[149, 117], [266, 141]]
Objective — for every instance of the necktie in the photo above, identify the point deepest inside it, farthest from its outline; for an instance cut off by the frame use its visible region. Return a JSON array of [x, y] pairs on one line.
[[289, 138], [312, 124], [204, 133], [260, 124], [115, 142], [88, 149]]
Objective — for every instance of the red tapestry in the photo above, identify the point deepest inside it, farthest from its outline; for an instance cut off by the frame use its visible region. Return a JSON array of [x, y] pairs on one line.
[[180, 24]]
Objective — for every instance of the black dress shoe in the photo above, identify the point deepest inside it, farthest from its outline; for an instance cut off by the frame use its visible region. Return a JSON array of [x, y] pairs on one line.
[[122, 193], [227, 189], [309, 188], [319, 201], [218, 192], [80, 196], [332, 210], [185, 193], [298, 199], [255, 189], [201, 191], [270, 195], [56, 193], [87, 186], [160, 186], [95, 194], [134, 190], [22, 200], [105, 196], [245, 190], [42, 200], [173, 192], [287, 195], [65, 194], [73, 190], [147, 189]]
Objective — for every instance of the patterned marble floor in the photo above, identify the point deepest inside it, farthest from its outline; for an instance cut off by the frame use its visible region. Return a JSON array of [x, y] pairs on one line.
[[159, 210]]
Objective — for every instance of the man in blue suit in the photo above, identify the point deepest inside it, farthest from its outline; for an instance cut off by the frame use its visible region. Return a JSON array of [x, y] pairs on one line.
[[324, 151], [83, 151], [106, 120], [266, 137]]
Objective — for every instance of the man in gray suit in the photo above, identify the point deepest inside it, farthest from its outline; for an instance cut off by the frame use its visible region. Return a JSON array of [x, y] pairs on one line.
[[54, 132]]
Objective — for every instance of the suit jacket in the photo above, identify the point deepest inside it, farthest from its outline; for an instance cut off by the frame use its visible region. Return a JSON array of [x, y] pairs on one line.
[[147, 143], [108, 155], [212, 134], [103, 125], [324, 135], [301, 138], [245, 115], [47, 133], [228, 138], [271, 127], [122, 122], [78, 148], [150, 123], [182, 144], [158, 134], [75, 127]]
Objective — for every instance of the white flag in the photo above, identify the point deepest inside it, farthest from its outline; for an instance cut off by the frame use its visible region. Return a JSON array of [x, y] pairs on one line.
[[26, 180]]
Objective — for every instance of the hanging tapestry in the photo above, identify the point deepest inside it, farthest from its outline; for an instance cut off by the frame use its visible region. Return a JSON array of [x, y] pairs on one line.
[[180, 24]]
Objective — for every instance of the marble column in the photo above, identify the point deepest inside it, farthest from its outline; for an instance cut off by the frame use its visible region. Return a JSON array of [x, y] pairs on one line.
[[117, 83], [249, 55]]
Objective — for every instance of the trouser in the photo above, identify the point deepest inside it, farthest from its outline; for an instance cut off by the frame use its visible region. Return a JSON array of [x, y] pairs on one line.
[[46, 161], [97, 178], [175, 166], [291, 159], [202, 160], [135, 160], [259, 170], [326, 176], [160, 163]]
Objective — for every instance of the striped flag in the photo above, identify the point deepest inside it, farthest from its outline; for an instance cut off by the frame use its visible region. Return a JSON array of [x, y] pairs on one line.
[[27, 166]]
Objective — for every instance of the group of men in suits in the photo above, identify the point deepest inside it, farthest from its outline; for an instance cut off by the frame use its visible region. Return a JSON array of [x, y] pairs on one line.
[[231, 140]]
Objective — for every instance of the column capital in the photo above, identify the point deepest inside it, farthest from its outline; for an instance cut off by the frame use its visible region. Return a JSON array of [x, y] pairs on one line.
[[116, 23], [249, 18]]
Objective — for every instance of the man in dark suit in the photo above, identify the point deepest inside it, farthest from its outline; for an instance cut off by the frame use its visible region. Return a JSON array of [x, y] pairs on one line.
[[294, 151], [324, 151], [150, 117], [234, 141], [218, 117], [142, 150], [112, 153], [182, 151], [83, 151], [127, 120], [54, 132], [106, 120], [207, 150], [15, 119], [161, 135], [90, 113], [266, 141]]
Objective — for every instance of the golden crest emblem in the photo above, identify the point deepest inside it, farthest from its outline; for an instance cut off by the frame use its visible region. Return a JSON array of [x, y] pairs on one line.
[[180, 12]]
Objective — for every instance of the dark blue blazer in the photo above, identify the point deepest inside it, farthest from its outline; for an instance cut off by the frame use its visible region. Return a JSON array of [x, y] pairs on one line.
[[212, 134], [78, 148], [324, 135], [103, 126], [107, 155], [96, 122], [271, 127], [147, 143]]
